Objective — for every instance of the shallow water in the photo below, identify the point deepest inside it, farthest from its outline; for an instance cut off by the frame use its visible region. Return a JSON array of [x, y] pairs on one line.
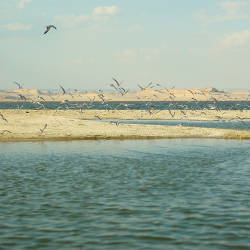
[[141, 194], [240, 124]]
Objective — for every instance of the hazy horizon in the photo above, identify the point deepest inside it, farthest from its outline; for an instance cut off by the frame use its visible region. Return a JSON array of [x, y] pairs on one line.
[[54, 90], [192, 44]]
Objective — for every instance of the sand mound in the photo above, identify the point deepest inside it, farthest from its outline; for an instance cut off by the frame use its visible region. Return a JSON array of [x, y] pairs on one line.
[[147, 92], [27, 91]]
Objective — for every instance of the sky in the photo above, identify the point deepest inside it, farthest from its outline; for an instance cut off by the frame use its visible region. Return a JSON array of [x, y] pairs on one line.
[[186, 44]]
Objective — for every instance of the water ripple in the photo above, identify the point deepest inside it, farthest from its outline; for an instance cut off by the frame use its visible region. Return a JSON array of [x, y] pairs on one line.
[[161, 194]]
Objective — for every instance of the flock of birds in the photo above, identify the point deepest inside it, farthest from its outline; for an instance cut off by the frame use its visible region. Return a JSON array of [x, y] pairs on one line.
[[118, 88]]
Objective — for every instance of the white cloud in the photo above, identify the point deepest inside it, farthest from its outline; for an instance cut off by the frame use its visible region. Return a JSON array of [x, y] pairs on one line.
[[77, 61], [142, 53], [22, 3], [98, 14], [71, 20], [135, 27], [231, 10], [128, 53], [16, 26], [105, 11], [236, 39], [150, 51]]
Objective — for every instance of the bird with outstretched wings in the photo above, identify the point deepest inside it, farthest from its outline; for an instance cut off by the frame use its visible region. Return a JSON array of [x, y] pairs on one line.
[[48, 28]]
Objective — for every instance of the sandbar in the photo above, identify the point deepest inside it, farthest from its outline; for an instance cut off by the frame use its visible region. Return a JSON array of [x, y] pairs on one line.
[[26, 125]]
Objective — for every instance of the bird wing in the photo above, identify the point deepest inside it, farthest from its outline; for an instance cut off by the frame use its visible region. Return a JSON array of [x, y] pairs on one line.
[[41, 98], [46, 31], [22, 97], [53, 26], [118, 84], [1, 115], [112, 85], [62, 89], [140, 87], [18, 84], [45, 126], [149, 85]]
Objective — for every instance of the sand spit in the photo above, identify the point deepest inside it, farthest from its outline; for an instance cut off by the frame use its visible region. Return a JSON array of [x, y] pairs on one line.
[[25, 125]]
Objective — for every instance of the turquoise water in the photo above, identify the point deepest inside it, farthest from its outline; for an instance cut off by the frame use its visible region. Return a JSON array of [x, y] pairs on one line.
[[141, 194], [236, 124]]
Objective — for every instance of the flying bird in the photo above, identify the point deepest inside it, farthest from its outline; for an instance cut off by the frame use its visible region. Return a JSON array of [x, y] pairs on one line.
[[63, 90], [5, 131], [98, 117], [18, 85], [48, 28], [42, 129], [3, 118], [191, 91], [22, 97], [146, 87], [172, 114], [112, 85], [115, 122], [118, 84], [40, 97]]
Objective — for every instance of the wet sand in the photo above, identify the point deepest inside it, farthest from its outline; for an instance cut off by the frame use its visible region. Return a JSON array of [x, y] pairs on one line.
[[25, 125]]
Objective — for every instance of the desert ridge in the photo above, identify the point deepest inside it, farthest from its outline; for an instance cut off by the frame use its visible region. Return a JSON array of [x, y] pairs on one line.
[[203, 94]]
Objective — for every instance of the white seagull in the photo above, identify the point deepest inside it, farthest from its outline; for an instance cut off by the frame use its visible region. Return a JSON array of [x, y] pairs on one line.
[[18, 85]]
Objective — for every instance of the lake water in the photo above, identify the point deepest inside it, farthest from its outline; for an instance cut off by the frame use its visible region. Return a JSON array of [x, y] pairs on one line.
[[138, 105], [140, 194], [235, 124]]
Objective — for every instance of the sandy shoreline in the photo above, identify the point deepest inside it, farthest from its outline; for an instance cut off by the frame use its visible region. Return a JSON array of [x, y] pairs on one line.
[[25, 125]]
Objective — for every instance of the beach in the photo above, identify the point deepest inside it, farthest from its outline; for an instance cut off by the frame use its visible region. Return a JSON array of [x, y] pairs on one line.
[[28, 125], [84, 124]]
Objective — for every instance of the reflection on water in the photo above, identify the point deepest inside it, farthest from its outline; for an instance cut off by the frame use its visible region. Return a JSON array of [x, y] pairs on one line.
[[153, 194]]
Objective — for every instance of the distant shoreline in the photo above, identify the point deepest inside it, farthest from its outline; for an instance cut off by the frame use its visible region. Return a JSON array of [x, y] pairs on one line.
[[152, 95], [129, 100]]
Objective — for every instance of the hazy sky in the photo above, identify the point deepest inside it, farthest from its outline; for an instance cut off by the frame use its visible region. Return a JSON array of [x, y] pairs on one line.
[[188, 44]]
